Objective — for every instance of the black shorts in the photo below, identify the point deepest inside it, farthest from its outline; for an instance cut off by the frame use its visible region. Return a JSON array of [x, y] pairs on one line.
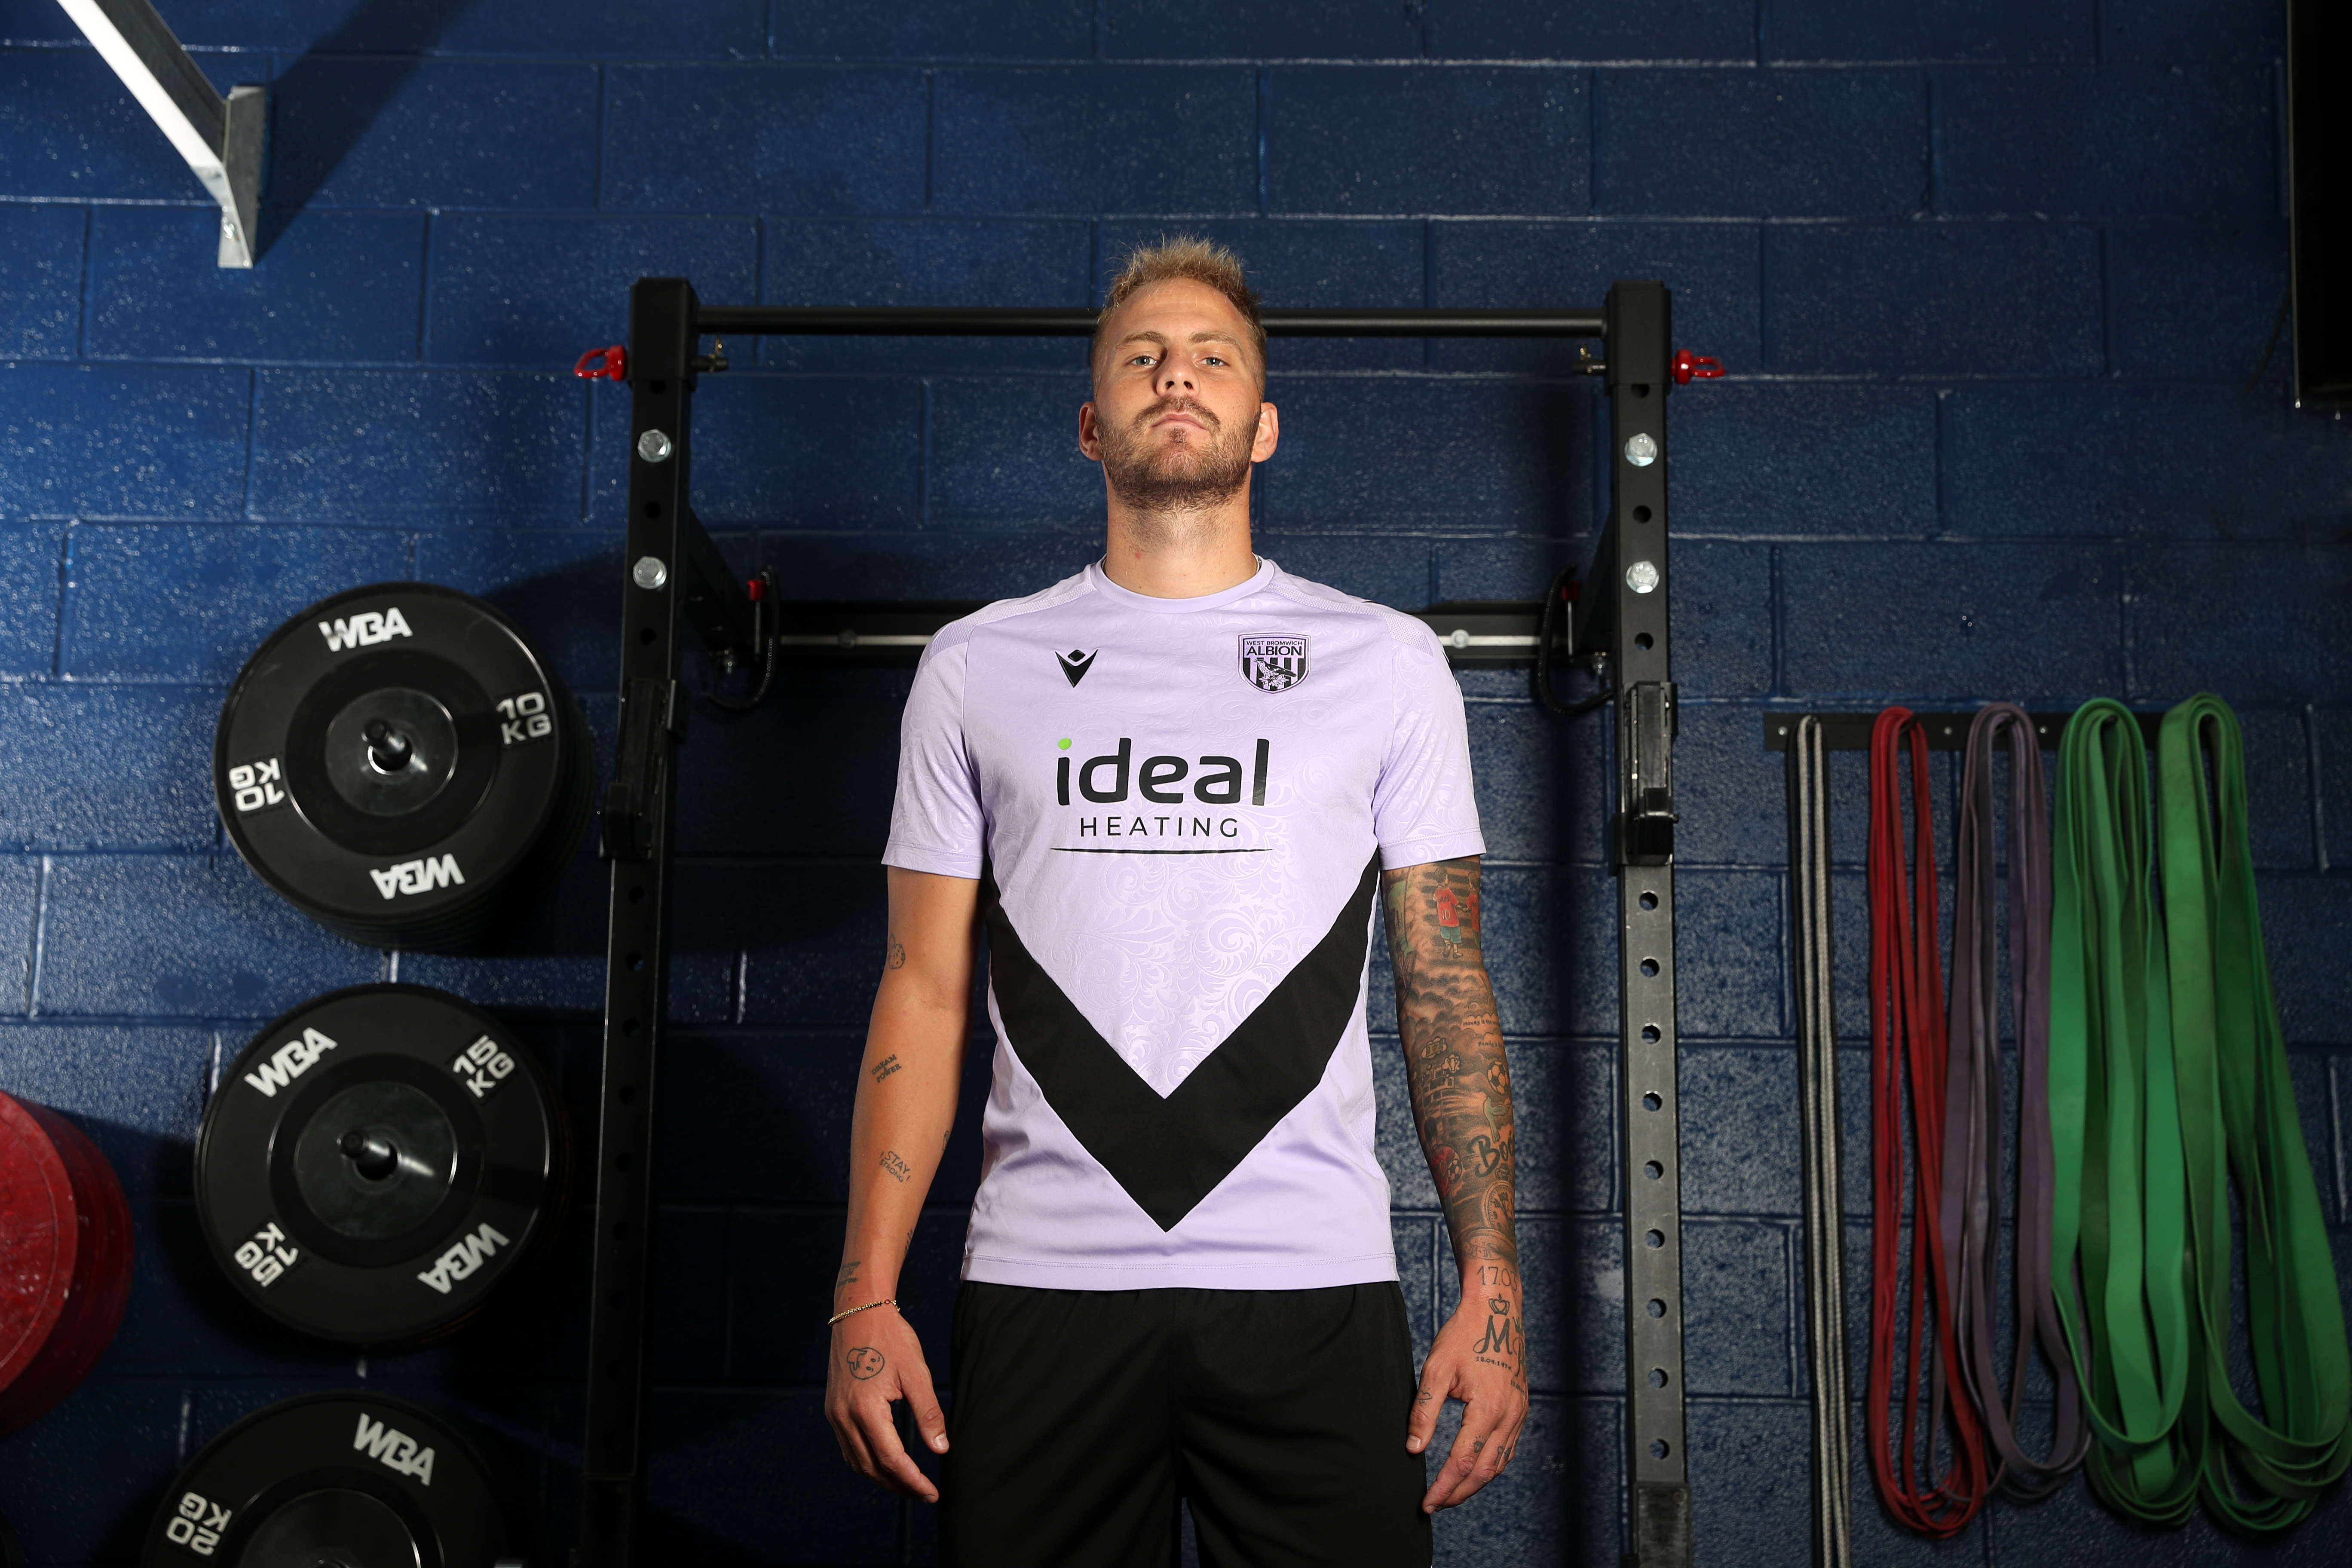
[[1081, 1417]]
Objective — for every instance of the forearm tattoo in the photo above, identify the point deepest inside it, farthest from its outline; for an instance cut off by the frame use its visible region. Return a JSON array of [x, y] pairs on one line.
[[1460, 1078]]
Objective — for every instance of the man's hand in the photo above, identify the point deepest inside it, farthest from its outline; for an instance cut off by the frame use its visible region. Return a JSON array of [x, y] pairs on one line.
[[1480, 1358], [876, 1360]]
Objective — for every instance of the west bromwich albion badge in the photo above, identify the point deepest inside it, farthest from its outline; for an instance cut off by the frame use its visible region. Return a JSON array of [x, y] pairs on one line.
[[1274, 661]]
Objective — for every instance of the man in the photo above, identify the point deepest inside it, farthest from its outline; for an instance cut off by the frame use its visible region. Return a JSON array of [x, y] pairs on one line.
[[1167, 787]]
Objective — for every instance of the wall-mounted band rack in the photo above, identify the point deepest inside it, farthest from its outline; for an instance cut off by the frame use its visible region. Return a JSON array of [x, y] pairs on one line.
[[674, 571], [1945, 732]]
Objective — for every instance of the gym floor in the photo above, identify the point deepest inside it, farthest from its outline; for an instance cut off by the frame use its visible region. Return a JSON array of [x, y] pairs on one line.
[[1990, 281]]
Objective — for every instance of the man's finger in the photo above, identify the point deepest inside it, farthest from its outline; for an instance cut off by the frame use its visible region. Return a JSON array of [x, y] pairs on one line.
[[1478, 1455], [893, 1467], [923, 1401], [1428, 1400]]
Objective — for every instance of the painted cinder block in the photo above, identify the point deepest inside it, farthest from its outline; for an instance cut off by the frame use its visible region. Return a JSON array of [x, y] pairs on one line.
[[20, 912], [1594, 31], [784, 139], [562, 586], [2115, 142], [2282, 821], [115, 942], [1745, 1100], [1804, 457], [359, 132], [753, 1476], [363, 446], [1937, 298], [1514, 567], [921, 261], [1992, 31], [2172, 462], [229, 587], [1234, 29], [136, 1091], [1424, 138], [2306, 920], [535, 292], [1384, 568], [1727, 946], [1738, 1329], [1550, 947], [1091, 141], [1755, 1506], [962, 563], [2331, 731], [2256, 623], [1004, 456], [1027, 30], [107, 767], [81, 1485], [123, 440], [73, 133], [328, 288], [1779, 143], [1471, 456], [2196, 298], [1711, 269], [2193, 32], [1730, 794], [795, 451], [32, 585], [40, 280], [1540, 780], [2038, 623]]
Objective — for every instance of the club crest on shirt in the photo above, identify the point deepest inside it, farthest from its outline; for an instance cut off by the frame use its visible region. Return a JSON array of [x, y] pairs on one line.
[[1274, 661]]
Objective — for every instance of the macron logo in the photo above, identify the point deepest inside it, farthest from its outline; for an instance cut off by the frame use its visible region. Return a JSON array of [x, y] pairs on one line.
[[1075, 664]]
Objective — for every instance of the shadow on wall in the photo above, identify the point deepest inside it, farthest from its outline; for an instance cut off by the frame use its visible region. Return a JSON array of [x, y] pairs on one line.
[[326, 100]]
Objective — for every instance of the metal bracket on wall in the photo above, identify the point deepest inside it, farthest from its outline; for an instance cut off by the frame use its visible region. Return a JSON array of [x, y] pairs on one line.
[[220, 138], [677, 584]]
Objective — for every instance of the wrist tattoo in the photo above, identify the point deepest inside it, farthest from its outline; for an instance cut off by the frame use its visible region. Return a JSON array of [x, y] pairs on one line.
[[897, 1170]]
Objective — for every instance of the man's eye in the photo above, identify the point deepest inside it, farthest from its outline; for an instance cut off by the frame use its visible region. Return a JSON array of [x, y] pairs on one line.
[[1211, 359], [1144, 359]]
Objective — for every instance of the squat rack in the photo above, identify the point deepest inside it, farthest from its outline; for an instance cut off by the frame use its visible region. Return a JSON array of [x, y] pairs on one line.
[[675, 572]]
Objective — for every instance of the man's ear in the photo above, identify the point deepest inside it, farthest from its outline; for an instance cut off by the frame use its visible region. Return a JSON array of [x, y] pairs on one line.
[[1089, 433], [1269, 433]]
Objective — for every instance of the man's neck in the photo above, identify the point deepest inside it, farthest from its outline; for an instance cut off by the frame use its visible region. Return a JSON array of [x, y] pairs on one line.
[[1181, 557]]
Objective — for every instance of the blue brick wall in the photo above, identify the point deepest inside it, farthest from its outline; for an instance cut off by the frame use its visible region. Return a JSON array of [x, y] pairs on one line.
[[1989, 279]]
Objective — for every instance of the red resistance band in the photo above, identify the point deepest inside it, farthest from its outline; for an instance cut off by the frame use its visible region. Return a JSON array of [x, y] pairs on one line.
[[1906, 1027]]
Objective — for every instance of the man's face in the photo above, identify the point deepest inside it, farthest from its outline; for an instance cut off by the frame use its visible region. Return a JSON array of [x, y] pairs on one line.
[[1176, 417]]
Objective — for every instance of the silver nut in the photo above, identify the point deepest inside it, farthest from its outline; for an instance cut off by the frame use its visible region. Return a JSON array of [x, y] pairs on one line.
[[654, 447], [1461, 637], [649, 573], [1642, 577], [1641, 450]]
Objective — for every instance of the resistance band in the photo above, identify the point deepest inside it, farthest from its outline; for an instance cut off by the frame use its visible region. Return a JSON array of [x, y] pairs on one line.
[[1825, 1182], [2118, 1237], [2238, 1118], [1972, 1129], [1907, 1021]]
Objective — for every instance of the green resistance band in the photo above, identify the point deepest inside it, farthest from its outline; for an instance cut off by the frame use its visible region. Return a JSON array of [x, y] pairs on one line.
[[2118, 1243], [2238, 1118]]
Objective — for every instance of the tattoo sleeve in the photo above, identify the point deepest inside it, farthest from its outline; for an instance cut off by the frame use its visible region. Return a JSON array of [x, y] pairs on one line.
[[1460, 1080]]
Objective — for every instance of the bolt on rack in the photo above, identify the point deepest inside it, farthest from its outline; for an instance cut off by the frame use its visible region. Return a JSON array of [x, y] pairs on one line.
[[676, 572]]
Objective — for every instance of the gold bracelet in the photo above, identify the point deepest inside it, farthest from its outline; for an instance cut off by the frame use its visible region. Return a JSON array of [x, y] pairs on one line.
[[854, 1311]]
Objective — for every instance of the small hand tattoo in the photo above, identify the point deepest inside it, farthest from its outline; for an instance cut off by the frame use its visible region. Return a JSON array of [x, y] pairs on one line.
[[885, 1068], [863, 1362], [897, 1170]]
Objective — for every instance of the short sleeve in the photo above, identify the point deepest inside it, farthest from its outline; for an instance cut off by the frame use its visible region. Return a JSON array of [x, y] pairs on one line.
[[1423, 807], [936, 821]]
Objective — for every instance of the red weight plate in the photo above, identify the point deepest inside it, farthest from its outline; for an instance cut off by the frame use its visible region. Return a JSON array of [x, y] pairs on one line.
[[40, 1238], [102, 1280]]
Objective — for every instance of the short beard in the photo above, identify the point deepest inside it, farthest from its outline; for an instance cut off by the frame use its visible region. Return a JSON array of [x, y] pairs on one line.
[[1175, 480]]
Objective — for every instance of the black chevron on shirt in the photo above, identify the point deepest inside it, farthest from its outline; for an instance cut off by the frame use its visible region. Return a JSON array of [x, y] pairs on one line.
[[1169, 1153]]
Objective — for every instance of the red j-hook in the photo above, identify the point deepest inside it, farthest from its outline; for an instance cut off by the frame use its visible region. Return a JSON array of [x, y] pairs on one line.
[[1686, 364], [615, 364]]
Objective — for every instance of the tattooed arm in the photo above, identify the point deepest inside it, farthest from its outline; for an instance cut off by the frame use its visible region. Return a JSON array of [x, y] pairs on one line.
[[906, 1105], [1462, 1106]]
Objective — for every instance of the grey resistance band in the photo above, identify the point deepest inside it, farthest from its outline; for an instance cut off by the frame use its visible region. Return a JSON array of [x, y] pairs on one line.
[[1973, 1120], [1818, 1105]]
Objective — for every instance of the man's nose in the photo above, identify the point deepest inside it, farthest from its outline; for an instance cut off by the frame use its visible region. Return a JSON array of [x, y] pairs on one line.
[[1174, 376]]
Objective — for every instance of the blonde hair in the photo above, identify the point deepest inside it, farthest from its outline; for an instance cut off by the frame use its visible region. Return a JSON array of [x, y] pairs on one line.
[[1191, 258]]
